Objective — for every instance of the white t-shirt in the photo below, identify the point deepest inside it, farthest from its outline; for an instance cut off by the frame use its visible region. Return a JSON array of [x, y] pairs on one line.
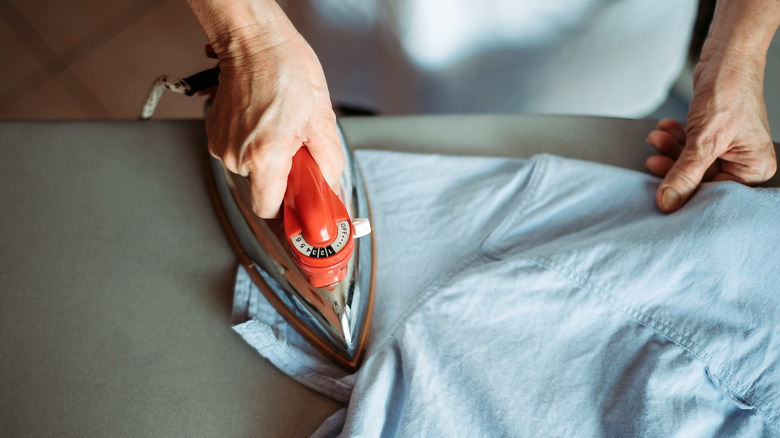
[[595, 57]]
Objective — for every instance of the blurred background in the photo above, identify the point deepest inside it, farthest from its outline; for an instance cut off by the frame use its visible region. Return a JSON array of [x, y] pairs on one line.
[[89, 59]]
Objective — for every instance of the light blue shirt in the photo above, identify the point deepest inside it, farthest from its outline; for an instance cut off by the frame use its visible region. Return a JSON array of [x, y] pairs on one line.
[[550, 297]]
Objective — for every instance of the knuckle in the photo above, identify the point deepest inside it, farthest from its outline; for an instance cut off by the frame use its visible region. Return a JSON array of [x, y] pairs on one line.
[[224, 154], [683, 179], [709, 133], [268, 162], [771, 169], [214, 149], [702, 149], [250, 163], [756, 171], [230, 161], [687, 173]]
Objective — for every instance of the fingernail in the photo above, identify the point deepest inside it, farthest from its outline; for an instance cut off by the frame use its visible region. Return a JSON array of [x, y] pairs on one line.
[[670, 199]]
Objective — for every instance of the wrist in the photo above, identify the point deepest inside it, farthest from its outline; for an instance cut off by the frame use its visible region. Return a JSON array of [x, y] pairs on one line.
[[238, 29], [732, 74], [742, 28]]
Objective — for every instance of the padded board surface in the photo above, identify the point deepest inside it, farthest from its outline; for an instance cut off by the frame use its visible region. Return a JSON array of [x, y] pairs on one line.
[[116, 279]]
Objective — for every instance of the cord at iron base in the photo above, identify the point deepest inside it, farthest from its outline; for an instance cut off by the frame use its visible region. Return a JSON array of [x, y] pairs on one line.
[[188, 86]]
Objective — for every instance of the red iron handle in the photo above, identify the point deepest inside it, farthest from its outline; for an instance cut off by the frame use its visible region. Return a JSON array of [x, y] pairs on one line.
[[311, 200], [317, 224]]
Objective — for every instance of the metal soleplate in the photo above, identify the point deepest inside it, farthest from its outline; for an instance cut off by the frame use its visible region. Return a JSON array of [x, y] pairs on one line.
[[336, 320]]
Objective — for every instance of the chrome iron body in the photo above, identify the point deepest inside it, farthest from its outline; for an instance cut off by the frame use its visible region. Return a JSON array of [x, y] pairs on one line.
[[335, 320]]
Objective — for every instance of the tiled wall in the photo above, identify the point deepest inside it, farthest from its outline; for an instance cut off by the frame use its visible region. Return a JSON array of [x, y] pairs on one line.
[[78, 59]]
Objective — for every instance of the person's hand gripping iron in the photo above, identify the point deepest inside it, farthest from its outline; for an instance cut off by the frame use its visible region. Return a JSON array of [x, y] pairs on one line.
[[272, 98]]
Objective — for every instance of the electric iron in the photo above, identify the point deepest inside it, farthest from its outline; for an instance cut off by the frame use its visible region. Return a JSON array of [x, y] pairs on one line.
[[309, 264]]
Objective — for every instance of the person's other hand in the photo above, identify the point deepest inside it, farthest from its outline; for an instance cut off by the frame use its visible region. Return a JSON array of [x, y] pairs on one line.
[[268, 103], [727, 134]]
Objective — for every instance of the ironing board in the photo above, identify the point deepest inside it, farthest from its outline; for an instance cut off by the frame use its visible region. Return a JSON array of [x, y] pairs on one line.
[[116, 279]]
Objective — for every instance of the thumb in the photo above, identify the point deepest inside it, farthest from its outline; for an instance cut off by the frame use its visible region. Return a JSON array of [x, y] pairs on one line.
[[684, 176], [325, 148]]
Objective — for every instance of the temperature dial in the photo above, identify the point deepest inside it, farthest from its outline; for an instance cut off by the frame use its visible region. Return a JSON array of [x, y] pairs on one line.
[[321, 252]]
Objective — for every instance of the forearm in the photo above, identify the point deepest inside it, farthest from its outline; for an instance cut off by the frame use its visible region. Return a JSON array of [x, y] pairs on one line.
[[742, 28], [237, 28]]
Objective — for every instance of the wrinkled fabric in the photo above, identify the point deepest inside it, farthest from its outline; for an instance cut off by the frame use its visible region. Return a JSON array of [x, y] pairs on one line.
[[550, 297]]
